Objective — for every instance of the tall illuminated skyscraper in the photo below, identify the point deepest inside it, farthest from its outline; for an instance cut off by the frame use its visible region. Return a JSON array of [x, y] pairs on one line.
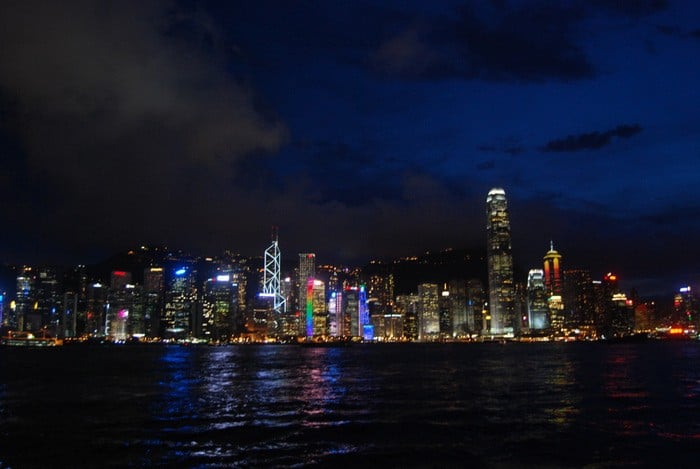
[[500, 264], [554, 287], [552, 271], [428, 311], [307, 270]]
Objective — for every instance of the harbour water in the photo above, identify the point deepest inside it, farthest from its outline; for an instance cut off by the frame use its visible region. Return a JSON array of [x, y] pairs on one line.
[[392, 405]]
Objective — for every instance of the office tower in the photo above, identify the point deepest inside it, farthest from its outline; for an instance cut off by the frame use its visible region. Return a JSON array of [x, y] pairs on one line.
[[69, 319], [355, 316], [47, 309], [500, 264], [380, 291], [645, 316], [579, 302], [272, 277], [20, 319], [554, 288], [119, 279], [219, 305], [428, 311], [614, 310], [351, 312], [96, 309], [307, 270], [537, 309], [476, 299], [445, 319], [407, 308], [458, 304], [685, 308], [180, 304], [153, 299], [552, 271], [335, 315], [318, 307]]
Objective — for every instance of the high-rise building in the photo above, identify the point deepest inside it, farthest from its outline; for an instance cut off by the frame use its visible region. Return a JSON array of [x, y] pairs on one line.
[[335, 315], [685, 308], [180, 304], [428, 311], [96, 309], [219, 307], [552, 271], [153, 299], [380, 290], [476, 299], [500, 264], [579, 302], [554, 287], [537, 310], [306, 271], [446, 312], [458, 305], [407, 308], [21, 317]]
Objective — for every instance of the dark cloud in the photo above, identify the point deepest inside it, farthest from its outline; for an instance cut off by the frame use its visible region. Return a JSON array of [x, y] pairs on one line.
[[632, 8], [486, 165], [533, 43], [503, 41], [509, 146], [591, 140], [118, 111], [675, 31], [325, 171]]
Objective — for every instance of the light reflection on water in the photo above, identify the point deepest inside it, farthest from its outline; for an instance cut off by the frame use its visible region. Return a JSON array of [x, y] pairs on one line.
[[396, 405]]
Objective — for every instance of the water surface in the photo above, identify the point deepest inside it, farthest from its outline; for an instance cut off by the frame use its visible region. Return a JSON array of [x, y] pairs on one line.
[[393, 405]]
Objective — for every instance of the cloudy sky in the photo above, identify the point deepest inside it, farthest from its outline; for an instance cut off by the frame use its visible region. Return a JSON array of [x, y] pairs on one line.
[[361, 128]]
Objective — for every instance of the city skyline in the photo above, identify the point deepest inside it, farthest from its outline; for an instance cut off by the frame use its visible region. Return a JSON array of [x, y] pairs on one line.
[[363, 130]]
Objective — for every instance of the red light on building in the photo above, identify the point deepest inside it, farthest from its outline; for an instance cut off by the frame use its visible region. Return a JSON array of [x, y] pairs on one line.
[[676, 330], [119, 273]]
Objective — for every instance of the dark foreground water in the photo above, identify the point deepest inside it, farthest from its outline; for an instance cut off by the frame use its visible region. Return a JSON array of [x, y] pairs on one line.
[[416, 405]]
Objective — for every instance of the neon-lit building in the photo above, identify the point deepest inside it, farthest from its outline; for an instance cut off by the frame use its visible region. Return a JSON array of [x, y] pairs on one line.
[[306, 271], [316, 315], [552, 271], [500, 265]]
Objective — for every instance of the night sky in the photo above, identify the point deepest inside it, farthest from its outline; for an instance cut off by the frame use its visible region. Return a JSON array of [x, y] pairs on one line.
[[362, 129]]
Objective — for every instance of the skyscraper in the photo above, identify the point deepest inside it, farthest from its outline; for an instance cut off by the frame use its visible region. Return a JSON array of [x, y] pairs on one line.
[[536, 300], [552, 271], [307, 270], [428, 311], [500, 263]]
